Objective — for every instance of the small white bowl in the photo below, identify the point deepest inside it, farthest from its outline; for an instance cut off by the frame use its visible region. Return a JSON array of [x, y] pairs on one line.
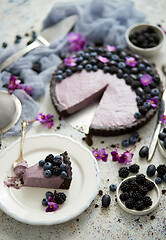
[[144, 51], [154, 194]]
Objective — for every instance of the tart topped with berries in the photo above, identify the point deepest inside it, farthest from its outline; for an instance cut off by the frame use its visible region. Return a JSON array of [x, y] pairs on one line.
[[52, 172], [127, 87]]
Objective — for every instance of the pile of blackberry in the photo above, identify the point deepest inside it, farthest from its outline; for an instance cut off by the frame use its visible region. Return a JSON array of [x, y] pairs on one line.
[[134, 192], [124, 171], [147, 38], [55, 165]]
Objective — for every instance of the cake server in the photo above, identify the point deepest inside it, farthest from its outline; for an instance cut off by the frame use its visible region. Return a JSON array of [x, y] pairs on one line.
[[162, 110], [54, 32]]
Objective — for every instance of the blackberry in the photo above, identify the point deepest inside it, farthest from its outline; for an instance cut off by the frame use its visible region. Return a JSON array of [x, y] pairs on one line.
[[129, 203], [57, 162], [123, 172], [125, 187], [49, 158], [136, 196], [140, 179], [143, 190], [134, 168], [139, 205], [147, 201], [56, 170], [161, 169], [134, 186], [59, 197], [149, 185], [124, 196]]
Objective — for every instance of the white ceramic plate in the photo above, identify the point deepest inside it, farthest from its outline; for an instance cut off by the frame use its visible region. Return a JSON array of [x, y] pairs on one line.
[[25, 204], [154, 194]]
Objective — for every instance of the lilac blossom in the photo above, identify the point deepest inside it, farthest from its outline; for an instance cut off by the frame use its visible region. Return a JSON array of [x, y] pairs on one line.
[[130, 61], [71, 61], [146, 79], [153, 102], [111, 48], [103, 59], [100, 154], [163, 119]]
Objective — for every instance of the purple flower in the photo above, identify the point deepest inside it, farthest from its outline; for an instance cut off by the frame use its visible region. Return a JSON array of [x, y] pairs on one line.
[[28, 90], [71, 61], [14, 83], [77, 42], [130, 61], [163, 119], [49, 118], [111, 48], [103, 59], [41, 118], [50, 125], [153, 102], [126, 157], [146, 79], [52, 206], [115, 155], [100, 155]]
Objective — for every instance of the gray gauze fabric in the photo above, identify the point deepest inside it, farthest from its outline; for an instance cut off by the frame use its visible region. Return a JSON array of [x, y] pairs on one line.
[[98, 20]]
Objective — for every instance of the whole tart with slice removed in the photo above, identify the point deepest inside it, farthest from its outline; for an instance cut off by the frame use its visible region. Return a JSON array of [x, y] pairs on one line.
[[127, 87]]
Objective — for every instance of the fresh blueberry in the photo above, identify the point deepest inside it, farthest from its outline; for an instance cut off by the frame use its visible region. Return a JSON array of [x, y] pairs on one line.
[[80, 59], [64, 75], [125, 75], [140, 75], [59, 78], [141, 66], [158, 180], [106, 69], [63, 174], [47, 166], [113, 187], [164, 143], [164, 130], [59, 72], [95, 68], [121, 65], [68, 72], [80, 53], [135, 134], [156, 79], [47, 173], [88, 67], [108, 54], [93, 54], [132, 140], [106, 200], [49, 194], [17, 41], [154, 92], [4, 44], [79, 68], [162, 136], [164, 177], [151, 169], [41, 163], [137, 115], [138, 98], [148, 69], [86, 55], [125, 143], [115, 57], [64, 167], [44, 202], [58, 157], [147, 105], [143, 152]]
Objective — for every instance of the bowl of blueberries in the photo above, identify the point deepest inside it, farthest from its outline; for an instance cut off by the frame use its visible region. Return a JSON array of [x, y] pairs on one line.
[[144, 39]]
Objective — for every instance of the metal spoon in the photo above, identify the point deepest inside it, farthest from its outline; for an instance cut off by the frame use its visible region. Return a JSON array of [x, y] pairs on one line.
[[20, 159]]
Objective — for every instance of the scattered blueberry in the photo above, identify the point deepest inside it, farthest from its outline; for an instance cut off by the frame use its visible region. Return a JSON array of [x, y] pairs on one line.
[[47, 173], [44, 202], [41, 163], [132, 140], [164, 177], [63, 174], [106, 200], [47, 166], [158, 180], [49, 194], [151, 169], [88, 67], [162, 136], [112, 187], [135, 134], [125, 143], [4, 44], [143, 152]]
